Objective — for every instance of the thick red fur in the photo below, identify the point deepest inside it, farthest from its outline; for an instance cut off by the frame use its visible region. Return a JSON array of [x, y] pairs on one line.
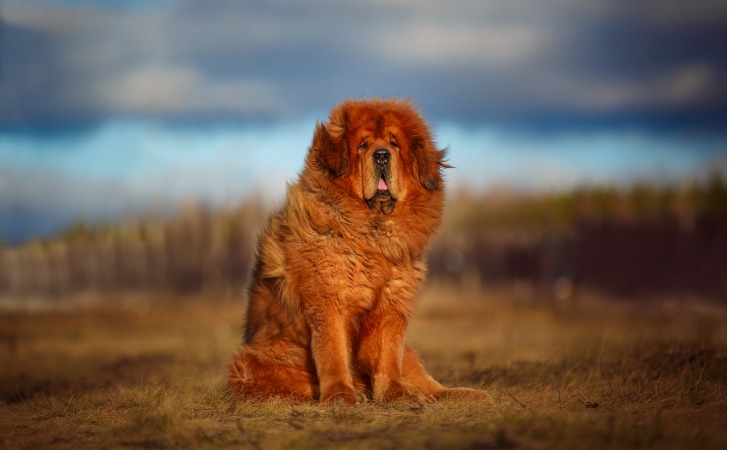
[[339, 265]]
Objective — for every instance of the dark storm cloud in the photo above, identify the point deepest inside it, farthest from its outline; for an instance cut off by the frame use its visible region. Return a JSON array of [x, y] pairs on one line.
[[653, 62]]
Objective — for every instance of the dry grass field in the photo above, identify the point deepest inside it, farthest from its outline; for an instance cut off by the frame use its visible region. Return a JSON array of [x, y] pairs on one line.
[[136, 373]]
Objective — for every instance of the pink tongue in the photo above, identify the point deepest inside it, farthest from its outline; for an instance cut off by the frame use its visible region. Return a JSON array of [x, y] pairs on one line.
[[382, 186]]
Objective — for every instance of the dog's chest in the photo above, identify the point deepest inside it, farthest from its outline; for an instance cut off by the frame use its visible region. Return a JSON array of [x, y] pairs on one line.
[[388, 240], [367, 275]]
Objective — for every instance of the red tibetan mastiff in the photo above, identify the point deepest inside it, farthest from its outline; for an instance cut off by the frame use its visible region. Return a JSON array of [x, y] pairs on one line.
[[338, 267]]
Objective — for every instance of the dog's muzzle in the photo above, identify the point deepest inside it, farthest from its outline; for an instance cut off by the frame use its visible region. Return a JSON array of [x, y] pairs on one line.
[[383, 200], [381, 160]]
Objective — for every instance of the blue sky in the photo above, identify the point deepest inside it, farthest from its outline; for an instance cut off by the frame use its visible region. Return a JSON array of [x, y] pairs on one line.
[[112, 108]]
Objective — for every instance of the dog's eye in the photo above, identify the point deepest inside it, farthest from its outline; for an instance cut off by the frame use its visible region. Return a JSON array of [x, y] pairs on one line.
[[363, 146], [393, 143]]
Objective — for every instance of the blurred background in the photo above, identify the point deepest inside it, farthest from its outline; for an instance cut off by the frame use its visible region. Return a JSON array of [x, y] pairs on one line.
[[143, 143]]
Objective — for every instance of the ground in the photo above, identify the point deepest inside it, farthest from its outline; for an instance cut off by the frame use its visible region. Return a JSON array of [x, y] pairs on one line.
[[130, 372]]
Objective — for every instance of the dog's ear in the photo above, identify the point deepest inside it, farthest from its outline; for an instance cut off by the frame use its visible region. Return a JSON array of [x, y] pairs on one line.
[[330, 146], [428, 162]]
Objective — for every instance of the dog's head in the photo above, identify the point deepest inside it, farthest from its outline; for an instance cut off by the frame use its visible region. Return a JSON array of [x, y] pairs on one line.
[[380, 151]]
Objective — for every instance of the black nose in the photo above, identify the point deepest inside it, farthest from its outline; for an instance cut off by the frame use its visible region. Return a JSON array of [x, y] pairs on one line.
[[381, 156]]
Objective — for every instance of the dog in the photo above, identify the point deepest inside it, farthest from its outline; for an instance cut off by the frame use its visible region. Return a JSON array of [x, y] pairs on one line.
[[339, 265]]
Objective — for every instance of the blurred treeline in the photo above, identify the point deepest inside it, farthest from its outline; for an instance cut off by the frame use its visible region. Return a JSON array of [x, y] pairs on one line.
[[640, 241], [643, 241], [196, 250]]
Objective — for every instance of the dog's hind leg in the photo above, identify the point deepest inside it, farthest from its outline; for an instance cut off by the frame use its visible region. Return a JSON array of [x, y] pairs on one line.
[[415, 376], [254, 376]]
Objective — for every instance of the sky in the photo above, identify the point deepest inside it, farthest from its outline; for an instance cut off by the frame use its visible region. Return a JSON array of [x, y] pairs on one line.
[[110, 108]]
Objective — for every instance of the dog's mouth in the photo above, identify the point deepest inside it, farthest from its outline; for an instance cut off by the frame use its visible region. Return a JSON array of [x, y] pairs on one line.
[[383, 188], [383, 199]]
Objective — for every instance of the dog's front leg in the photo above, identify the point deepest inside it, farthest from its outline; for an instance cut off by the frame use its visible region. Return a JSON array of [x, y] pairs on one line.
[[331, 354], [380, 354]]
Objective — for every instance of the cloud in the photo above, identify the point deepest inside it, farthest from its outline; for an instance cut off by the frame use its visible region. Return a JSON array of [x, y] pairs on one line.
[[468, 60], [432, 44], [170, 90], [681, 88]]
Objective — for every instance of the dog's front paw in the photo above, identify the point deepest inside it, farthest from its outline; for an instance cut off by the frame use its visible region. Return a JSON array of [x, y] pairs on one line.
[[396, 392], [339, 393]]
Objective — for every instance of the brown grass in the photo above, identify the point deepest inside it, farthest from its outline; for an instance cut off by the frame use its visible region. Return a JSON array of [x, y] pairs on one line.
[[152, 375]]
